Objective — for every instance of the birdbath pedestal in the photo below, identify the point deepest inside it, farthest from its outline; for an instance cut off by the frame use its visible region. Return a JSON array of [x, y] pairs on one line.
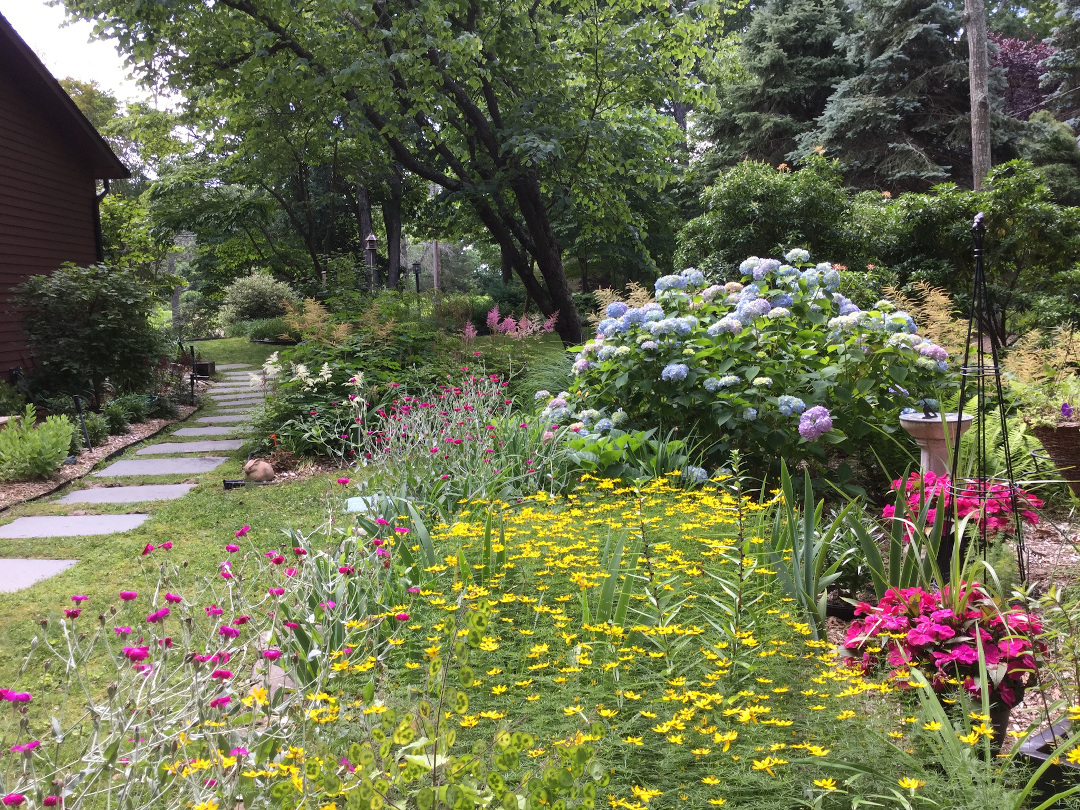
[[929, 433]]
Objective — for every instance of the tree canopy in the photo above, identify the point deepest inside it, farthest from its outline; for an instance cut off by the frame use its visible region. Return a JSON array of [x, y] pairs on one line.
[[529, 114]]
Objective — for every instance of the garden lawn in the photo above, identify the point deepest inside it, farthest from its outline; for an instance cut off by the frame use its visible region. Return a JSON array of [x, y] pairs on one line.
[[235, 350]]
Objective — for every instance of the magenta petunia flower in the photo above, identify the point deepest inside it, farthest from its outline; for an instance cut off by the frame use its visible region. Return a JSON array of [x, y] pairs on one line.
[[127, 596], [243, 531]]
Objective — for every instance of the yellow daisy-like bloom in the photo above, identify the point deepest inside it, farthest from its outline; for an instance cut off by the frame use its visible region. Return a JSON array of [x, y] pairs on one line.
[[768, 764], [633, 740], [710, 780], [825, 784], [717, 802], [933, 725], [1073, 756], [644, 794], [211, 805], [907, 783]]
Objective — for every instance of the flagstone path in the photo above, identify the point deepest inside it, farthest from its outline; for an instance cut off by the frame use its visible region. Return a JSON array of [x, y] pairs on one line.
[[237, 393]]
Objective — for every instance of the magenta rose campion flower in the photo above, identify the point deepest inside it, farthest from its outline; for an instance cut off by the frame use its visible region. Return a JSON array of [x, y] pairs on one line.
[[158, 615], [243, 531], [127, 596]]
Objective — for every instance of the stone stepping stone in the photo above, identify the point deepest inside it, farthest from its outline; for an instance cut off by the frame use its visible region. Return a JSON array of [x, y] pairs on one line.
[[241, 406], [249, 393], [22, 573], [70, 525], [228, 366], [225, 403], [150, 492], [161, 466], [220, 446], [214, 430], [224, 418], [234, 389]]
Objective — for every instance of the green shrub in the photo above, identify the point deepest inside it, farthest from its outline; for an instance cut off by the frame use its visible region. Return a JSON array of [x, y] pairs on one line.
[[755, 209], [197, 318], [11, 399], [116, 418], [76, 445], [254, 297], [28, 451], [768, 366], [90, 327], [135, 407], [263, 329], [97, 427]]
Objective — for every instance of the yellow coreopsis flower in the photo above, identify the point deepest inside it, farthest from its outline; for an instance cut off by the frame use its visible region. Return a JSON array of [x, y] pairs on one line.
[[908, 783]]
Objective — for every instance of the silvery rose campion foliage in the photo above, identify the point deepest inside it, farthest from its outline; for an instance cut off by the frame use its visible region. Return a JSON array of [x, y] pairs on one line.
[[778, 363]]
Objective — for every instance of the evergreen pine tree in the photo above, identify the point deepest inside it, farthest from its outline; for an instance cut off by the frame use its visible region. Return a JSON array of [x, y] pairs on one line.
[[1061, 69], [902, 121], [790, 67]]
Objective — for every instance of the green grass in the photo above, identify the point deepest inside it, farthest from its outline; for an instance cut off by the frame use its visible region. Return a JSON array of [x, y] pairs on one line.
[[235, 350]]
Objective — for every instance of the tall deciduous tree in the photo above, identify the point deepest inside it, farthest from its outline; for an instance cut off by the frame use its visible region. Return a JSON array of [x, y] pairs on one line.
[[1061, 68], [508, 105]]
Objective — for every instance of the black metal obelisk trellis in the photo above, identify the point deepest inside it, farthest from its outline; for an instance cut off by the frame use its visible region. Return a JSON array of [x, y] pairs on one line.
[[980, 379]]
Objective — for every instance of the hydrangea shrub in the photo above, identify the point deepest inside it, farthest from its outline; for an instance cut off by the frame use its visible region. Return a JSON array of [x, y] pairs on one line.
[[775, 365]]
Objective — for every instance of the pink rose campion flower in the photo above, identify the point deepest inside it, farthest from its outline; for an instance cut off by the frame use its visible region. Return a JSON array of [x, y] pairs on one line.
[[158, 616], [173, 598], [79, 598], [232, 547], [24, 748], [221, 674], [225, 631], [276, 591], [127, 596], [136, 654], [272, 655], [343, 481], [243, 531], [218, 702]]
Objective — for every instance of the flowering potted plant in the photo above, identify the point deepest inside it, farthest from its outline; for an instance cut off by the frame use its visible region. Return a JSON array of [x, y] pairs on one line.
[[988, 502], [940, 632], [1052, 409]]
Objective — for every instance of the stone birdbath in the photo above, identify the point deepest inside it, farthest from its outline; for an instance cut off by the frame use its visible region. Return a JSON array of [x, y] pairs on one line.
[[928, 430]]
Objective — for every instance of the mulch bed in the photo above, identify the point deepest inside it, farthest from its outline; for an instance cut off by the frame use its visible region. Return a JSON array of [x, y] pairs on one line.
[[22, 491]]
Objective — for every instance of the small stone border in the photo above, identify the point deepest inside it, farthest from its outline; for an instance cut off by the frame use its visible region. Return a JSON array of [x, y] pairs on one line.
[[27, 491]]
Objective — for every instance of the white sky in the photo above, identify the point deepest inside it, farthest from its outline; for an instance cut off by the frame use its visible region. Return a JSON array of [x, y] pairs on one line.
[[67, 50]]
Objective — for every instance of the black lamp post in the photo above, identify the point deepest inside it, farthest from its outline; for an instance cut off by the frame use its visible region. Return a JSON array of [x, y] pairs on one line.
[[416, 273], [370, 244]]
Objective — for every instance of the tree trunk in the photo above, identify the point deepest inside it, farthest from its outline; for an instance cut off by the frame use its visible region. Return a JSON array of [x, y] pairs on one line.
[[978, 76], [392, 220], [548, 256]]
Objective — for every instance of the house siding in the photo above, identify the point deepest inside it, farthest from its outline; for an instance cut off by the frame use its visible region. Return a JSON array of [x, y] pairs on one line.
[[47, 208]]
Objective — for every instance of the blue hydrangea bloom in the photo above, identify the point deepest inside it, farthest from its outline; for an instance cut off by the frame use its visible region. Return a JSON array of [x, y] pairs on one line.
[[831, 278], [712, 385], [674, 372], [764, 268], [606, 353], [728, 380], [696, 475], [749, 415], [653, 315], [665, 283], [649, 345], [789, 405], [725, 324], [815, 423], [782, 300], [634, 316], [604, 425], [616, 309], [779, 312], [749, 265], [606, 326], [693, 276], [797, 256], [787, 271]]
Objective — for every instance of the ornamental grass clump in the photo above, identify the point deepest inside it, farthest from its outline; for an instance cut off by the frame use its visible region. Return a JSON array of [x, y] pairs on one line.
[[775, 365]]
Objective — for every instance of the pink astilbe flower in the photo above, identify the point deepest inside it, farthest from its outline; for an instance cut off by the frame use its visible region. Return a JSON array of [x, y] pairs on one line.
[[469, 332]]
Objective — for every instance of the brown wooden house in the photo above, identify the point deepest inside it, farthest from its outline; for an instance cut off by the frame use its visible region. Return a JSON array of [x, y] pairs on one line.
[[51, 159]]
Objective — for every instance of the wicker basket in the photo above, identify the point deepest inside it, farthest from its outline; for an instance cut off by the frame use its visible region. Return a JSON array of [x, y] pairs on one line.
[[1062, 445]]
